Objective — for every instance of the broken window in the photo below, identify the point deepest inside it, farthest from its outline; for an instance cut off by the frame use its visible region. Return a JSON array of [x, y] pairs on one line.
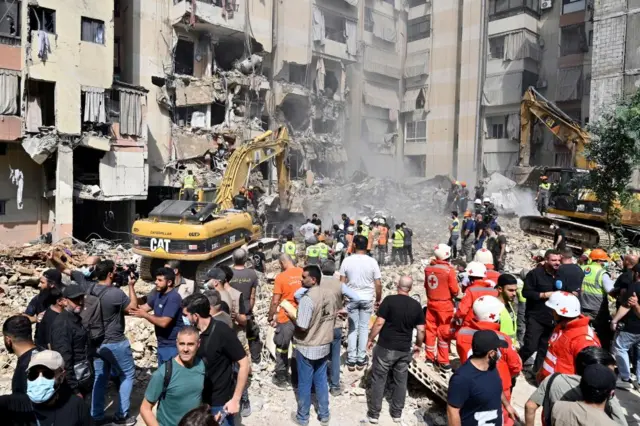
[[298, 74], [368, 19], [497, 127], [573, 40], [183, 57], [228, 52], [320, 125], [10, 24], [331, 84], [414, 3], [190, 116], [3, 207], [570, 6], [92, 30], [499, 9], [41, 18], [9, 92], [416, 165], [416, 131], [496, 47], [41, 110], [335, 27], [419, 28]]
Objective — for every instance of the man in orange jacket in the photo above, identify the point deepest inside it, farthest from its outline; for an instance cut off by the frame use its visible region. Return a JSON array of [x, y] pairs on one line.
[[485, 257], [571, 334], [486, 312], [441, 285], [477, 288]]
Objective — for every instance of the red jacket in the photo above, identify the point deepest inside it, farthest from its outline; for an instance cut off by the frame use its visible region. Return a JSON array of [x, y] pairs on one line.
[[492, 275], [567, 340], [476, 290], [440, 281], [509, 364]]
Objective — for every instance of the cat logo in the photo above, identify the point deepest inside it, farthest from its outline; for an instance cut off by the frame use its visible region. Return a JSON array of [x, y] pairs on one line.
[[159, 245]]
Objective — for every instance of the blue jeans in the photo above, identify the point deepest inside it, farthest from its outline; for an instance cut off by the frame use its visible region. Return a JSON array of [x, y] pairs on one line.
[[165, 353], [622, 344], [479, 243], [312, 373], [119, 356], [228, 421], [359, 316], [334, 374]]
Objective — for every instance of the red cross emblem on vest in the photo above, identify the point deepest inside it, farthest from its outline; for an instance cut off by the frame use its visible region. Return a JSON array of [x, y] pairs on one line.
[[432, 282]]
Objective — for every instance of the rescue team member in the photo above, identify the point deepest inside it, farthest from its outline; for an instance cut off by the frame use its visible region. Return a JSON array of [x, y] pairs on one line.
[[290, 247], [571, 334], [313, 252], [408, 246], [454, 233], [507, 288], [374, 234], [522, 307], [323, 248], [188, 186], [397, 248], [441, 285], [468, 234], [485, 257], [349, 238], [477, 206], [463, 198], [478, 287], [240, 201], [487, 312], [596, 286], [365, 227], [383, 239], [543, 194]]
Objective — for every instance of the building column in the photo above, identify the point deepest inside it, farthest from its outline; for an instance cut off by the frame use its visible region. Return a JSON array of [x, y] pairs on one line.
[[64, 194]]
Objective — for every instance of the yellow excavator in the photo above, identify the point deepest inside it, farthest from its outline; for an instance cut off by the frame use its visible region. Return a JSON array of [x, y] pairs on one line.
[[200, 234], [576, 210]]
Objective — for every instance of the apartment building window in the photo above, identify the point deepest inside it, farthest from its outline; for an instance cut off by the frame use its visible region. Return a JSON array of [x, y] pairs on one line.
[[92, 30], [3, 207], [419, 28], [497, 127], [185, 115], [335, 27], [570, 6], [41, 18], [368, 19], [573, 40], [10, 25], [499, 9], [496, 47], [416, 131], [414, 3], [183, 57]]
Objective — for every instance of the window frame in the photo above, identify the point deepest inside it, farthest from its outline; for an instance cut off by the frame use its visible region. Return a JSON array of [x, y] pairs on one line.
[[493, 123], [84, 19], [413, 26], [582, 32], [495, 38], [412, 126], [32, 8]]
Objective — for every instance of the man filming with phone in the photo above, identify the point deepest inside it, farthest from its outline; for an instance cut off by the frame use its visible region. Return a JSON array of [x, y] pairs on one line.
[[626, 324]]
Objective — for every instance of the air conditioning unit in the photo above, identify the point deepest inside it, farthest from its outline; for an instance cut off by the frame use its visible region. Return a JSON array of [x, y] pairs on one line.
[[546, 4]]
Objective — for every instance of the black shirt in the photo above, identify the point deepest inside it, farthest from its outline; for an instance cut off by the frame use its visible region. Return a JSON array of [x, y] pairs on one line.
[[71, 340], [43, 331], [477, 394], [219, 348], [571, 276], [67, 410], [631, 320], [480, 226], [19, 381], [537, 281], [401, 315], [317, 222], [259, 259], [563, 244]]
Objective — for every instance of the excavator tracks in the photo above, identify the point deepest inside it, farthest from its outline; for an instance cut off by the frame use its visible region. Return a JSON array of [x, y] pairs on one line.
[[578, 235]]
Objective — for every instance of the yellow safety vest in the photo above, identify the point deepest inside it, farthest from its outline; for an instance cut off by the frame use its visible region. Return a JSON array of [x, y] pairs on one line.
[[398, 239], [290, 248], [313, 251], [593, 294], [365, 231], [189, 182], [545, 186], [456, 227], [509, 323], [324, 250]]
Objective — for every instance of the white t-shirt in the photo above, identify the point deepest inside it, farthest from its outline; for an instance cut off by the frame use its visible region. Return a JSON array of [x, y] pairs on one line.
[[361, 272], [308, 230]]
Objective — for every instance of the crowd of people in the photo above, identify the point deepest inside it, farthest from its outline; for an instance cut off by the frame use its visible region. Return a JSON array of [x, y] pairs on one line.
[[208, 340]]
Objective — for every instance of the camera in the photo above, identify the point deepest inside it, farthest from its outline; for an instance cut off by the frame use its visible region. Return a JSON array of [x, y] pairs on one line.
[[121, 277]]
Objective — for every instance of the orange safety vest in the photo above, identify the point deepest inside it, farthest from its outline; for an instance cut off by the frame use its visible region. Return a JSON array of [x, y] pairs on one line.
[[384, 233], [492, 275], [476, 290], [349, 238], [440, 281]]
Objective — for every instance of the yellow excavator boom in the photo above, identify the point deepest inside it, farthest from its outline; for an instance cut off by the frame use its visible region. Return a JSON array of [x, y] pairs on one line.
[[247, 156]]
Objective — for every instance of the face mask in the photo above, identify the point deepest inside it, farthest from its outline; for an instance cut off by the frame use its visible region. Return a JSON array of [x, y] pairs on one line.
[[86, 271], [493, 362], [185, 321], [41, 389]]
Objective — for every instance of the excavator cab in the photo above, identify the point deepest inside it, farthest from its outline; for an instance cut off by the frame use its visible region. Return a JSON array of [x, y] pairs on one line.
[[203, 195]]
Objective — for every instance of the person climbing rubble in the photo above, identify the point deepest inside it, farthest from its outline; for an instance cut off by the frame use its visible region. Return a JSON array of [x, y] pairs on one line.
[[383, 240], [398, 255], [468, 236], [542, 196], [463, 197], [189, 184], [240, 201], [454, 233]]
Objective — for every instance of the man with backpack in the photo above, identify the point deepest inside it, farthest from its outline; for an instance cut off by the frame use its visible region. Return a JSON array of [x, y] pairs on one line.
[[176, 386], [103, 316]]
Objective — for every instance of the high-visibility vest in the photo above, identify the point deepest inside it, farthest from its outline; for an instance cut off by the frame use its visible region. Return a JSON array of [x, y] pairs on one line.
[[544, 186], [384, 233], [521, 298], [365, 231], [290, 248], [593, 295], [456, 227], [509, 323], [398, 239], [189, 182], [349, 238], [324, 250]]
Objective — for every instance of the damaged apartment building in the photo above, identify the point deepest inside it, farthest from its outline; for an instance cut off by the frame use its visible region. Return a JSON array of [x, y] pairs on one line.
[[72, 135]]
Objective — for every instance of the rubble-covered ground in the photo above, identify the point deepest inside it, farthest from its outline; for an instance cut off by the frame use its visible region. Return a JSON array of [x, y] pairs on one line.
[[419, 203]]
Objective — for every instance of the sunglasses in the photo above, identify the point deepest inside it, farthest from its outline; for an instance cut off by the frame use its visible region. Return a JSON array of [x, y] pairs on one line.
[[33, 374]]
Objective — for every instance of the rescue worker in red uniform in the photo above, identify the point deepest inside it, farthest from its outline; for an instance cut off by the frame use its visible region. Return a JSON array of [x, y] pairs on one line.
[[486, 316], [477, 288], [571, 334], [441, 285], [485, 257]]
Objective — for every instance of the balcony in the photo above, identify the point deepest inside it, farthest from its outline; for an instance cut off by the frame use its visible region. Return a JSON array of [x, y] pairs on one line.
[[508, 88], [499, 9]]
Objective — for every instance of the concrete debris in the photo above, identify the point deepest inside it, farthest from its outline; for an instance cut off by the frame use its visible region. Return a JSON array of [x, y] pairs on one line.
[[249, 65], [509, 198], [40, 147]]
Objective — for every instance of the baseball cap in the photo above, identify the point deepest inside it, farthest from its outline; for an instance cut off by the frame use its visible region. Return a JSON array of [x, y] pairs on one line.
[[50, 359], [600, 377], [72, 291], [53, 275], [486, 340], [216, 274]]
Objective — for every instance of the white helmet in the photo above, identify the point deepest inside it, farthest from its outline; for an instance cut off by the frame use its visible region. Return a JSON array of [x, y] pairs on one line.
[[442, 251], [367, 221], [483, 256], [382, 221], [374, 220], [477, 201], [476, 269], [350, 229], [486, 200], [487, 308], [341, 227], [565, 304], [339, 247]]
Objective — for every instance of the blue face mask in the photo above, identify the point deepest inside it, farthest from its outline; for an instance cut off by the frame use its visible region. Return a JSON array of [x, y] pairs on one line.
[[185, 321], [558, 285], [86, 271], [41, 389]]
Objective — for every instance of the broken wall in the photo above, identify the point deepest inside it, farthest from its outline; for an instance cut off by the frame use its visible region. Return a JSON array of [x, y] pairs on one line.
[[293, 35]]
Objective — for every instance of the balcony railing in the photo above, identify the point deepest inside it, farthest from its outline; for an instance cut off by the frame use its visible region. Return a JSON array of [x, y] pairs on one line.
[[499, 9], [9, 40]]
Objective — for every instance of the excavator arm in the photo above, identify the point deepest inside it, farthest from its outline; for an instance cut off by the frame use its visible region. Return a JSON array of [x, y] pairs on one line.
[[560, 124], [247, 156]]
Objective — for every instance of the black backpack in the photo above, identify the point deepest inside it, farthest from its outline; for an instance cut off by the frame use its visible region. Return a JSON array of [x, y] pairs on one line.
[[168, 371], [91, 315]]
